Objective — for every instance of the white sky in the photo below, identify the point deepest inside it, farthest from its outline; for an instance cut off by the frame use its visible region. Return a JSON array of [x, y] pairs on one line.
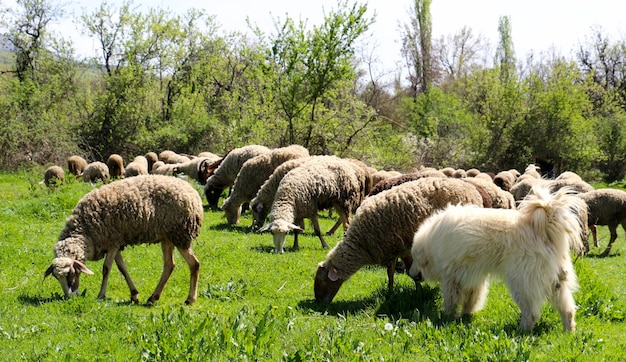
[[537, 25]]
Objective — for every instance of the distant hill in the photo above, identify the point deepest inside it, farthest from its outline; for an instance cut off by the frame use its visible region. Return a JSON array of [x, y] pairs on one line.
[[5, 44]]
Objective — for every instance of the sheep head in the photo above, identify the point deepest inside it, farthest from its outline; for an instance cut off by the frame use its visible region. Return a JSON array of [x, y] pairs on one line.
[[67, 272], [327, 283], [279, 229]]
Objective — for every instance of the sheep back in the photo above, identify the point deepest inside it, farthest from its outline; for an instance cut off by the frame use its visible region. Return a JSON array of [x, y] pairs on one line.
[[96, 171], [53, 175], [76, 165], [115, 163], [141, 209]]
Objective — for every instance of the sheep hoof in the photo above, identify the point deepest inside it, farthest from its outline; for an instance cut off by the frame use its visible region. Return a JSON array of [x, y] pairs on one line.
[[189, 301]]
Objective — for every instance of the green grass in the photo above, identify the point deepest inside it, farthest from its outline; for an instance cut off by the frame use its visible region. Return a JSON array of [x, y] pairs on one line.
[[255, 305]]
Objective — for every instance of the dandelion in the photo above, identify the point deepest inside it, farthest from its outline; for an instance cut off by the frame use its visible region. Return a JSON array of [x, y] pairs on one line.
[[275, 307], [388, 327]]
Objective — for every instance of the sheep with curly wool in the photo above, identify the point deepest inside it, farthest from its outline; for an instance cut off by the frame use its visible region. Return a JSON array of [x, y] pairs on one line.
[[253, 174], [115, 163], [500, 199], [54, 176], [76, 165], [314, 186], [605, 207], [192, 167], [506, 179], [225, 174], [383, 227], [96, 171], [138, 166], [524, 187], [394, 181], [380, 175], [262, 202], [132, 211]]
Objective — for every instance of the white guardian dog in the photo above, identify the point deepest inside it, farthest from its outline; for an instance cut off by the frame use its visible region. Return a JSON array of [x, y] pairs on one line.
[[463, 246]]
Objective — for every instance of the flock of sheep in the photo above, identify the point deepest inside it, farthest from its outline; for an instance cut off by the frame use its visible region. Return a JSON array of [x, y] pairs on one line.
[[380, 211]]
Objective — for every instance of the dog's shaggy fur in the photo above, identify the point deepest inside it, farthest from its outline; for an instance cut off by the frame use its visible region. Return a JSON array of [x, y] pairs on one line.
[[529, 247]]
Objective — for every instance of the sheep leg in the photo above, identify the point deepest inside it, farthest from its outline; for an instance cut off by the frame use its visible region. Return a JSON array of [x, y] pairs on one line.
[[106, 269], [168, 266], [613, 231], [391, 270], [119, 261], [594, 232], [194, 271], [334, 228], [318, 232]]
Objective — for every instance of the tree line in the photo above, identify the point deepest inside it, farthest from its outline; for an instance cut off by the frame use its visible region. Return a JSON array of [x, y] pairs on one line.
[[176, 81]]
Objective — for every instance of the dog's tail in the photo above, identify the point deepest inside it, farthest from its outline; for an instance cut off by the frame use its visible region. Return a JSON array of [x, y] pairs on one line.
[[561, 216]]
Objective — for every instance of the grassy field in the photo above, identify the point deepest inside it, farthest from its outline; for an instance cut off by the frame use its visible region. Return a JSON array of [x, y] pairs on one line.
[[255, 305]]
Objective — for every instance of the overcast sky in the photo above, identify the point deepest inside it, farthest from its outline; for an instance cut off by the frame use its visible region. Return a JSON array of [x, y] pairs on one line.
[[537, 25]]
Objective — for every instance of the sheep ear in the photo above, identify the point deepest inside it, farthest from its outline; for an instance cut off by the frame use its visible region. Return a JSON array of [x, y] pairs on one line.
[[82, 267], [332, 274], [48, 271], [266, 227], [257, 207], [295, 227]]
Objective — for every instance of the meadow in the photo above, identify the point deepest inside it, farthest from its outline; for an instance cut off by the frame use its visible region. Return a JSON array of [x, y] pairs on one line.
[[259, 306]]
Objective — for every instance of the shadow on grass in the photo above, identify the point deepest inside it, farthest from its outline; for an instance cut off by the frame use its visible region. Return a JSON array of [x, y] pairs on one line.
[[35, 300], [602, 256], [403, 302]]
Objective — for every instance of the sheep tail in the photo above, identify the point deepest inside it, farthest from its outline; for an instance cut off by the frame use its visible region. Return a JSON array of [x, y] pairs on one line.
[[559, 216]]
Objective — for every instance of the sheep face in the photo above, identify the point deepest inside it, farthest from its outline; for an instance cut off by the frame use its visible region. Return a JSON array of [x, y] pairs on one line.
[[259, 214], [67, 272], [327, 283], [279, 229], [213, 194], [231, 211]]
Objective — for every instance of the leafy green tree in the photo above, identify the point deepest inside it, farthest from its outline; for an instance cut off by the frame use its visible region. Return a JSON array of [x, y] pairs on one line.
[[417, 47]]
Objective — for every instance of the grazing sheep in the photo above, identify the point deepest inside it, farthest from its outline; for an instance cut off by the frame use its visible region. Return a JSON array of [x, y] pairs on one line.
[[76, 165], [506, 179], [312, 187], [569, 175], [383, 228], [262, 203], [380, 175], [208, 155], [156, 166], [54, 176], [448, 171], [96, 171], [132, 211], [459, 173], [605, 207], [500, 199], [192, 167], [253, 174], [166, 155], [139, 166], [116, 166], [472, 172], [430, 172], [226, 173], [522, 188], [529, 247], [152, 158], [394, 181]]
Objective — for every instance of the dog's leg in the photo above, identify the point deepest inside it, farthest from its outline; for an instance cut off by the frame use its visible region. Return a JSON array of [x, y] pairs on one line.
[[529, 304], [563, 301], [474, 299], [451, 292]]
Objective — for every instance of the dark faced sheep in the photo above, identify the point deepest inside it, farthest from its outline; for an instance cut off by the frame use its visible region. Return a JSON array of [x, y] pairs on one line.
[[132, 211], [383, 227]]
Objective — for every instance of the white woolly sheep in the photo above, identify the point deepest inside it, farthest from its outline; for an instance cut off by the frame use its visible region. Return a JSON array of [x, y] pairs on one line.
[[54, 176], [500, 199], [314, 186], [383, 227], [115, 163], [253, 174], [225, 174], [472, 172], [569, 175], [132, 211], [605, 207], [76, 165], [96, 171], [522, 188], [166, 155], [448, 171], [139, 166], [262, 203], [208, 155]]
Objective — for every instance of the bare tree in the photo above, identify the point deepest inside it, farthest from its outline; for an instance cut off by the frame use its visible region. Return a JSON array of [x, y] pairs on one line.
[[460, 53]]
